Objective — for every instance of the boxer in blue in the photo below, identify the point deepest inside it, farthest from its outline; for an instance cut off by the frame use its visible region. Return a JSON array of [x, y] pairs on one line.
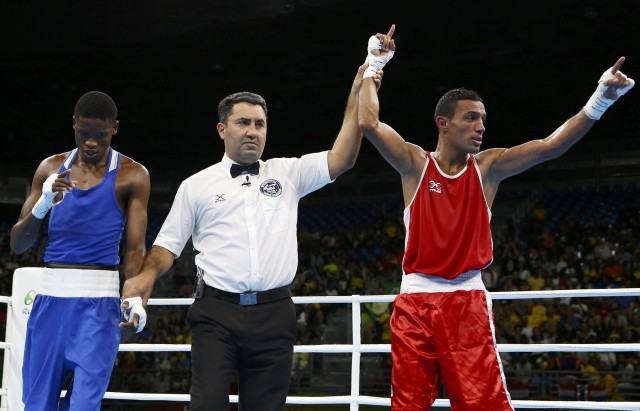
[[91, 194]]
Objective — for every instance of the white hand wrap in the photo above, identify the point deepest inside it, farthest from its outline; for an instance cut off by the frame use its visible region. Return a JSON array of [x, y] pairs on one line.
[[132, 306], [376, 62], [45, 202], [598, 103]]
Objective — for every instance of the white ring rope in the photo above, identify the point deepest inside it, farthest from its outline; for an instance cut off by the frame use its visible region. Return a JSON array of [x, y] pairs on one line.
[[496, 295], [356, 349], [386, 348]]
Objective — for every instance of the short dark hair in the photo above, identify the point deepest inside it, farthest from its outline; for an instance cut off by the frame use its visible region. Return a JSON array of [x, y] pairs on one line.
[[447, 104], [226, 105], [96, 104]]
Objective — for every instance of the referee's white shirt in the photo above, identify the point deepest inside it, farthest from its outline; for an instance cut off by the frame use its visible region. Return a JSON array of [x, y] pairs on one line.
[[245, 234]]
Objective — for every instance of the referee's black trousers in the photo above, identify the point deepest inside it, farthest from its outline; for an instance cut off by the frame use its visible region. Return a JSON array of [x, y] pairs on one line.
[[256, 341]]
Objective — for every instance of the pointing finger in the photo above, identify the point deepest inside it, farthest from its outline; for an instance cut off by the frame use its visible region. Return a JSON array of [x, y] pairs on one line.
[[391, 30], [617, 66]]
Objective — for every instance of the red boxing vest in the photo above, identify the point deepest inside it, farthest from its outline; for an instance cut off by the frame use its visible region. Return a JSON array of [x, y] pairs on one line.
[[447, 223]]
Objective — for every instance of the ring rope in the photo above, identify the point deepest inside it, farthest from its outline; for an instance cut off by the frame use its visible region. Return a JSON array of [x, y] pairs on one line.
[[495, 295], [386, 348], [357, 348]]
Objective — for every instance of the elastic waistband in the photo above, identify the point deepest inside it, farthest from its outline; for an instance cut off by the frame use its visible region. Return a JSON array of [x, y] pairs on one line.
[[73, 282], [250, 297], [82, 266], [421, 283]]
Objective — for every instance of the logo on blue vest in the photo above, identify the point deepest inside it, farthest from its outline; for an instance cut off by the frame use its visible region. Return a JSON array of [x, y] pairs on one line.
[[271, 188]]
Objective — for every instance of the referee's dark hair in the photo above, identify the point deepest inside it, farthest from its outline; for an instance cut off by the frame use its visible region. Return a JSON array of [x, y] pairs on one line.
[[226, 105]]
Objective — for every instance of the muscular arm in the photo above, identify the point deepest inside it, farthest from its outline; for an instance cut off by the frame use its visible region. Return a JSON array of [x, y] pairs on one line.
[[385, 139], [407, 159], [136, 211], [498, 164], [25, 232], [503, 163]]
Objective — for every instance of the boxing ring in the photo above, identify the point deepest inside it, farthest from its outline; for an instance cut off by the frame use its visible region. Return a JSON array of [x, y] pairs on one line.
[[24, 287]]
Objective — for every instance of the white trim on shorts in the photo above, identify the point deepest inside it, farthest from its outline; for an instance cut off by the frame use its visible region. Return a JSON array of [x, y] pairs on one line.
[[422, 283]]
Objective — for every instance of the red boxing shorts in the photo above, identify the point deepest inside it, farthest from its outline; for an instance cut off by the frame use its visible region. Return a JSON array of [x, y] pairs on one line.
[[448, 336]]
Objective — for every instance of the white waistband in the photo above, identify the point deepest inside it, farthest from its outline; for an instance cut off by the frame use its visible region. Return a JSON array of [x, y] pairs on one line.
[[421, 283], [71, 282]]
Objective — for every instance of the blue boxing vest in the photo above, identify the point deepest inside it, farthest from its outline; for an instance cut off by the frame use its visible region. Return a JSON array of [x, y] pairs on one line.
[[86, 227]]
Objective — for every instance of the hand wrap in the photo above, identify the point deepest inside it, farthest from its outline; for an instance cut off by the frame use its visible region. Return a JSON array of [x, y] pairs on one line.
[[130, 307], [45, 202], [598, 103], [376, 61]]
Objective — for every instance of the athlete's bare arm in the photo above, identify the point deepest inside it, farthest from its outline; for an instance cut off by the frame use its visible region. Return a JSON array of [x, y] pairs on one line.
[[135, 198], [25, 232], [500, 163], [407, 159]]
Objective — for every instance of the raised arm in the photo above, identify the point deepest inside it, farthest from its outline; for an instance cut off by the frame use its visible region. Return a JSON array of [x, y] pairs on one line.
[[344, 152], [45, 191], [386, 140], [498, 164], [136, 205]]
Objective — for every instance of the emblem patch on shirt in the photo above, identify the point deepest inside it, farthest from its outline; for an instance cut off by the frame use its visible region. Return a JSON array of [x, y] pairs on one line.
[[271, 188], [219, 198], [435, 187]]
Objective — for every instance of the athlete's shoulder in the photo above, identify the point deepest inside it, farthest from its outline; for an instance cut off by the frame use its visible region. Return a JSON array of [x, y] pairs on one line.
[[132, 169], [130, 163], [53, 162], [417, 149]]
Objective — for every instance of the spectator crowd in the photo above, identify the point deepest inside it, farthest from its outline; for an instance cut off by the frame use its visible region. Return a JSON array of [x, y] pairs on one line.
[[540, 246]]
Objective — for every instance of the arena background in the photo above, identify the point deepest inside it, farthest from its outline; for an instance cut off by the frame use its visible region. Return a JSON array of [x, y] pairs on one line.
[[168, 63]]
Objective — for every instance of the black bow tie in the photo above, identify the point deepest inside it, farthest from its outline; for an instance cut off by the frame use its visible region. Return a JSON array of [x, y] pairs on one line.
[[237, 169]]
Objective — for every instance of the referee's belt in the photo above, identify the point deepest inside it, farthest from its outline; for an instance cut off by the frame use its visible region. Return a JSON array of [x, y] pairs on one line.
[[251, 297]]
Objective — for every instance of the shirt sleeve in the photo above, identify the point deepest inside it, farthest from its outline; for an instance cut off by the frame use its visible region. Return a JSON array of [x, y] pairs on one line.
[[314, 172], [178, 226]]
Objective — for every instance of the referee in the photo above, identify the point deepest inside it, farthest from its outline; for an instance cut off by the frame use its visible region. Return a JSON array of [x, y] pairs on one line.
[[241, 214]]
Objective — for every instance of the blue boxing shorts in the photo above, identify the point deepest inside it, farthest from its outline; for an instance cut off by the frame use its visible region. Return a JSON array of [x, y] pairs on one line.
[[73, 327]]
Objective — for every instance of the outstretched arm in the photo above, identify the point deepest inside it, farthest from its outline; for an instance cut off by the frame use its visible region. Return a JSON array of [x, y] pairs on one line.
[[499, 164], [386, 140]]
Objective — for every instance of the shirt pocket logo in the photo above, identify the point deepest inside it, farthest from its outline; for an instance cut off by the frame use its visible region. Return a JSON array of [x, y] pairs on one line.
[[271, 188]]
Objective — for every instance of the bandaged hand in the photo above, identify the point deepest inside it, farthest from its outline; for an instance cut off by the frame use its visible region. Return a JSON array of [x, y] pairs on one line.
[[612, 84], [131, 307], [45, 202], [380, 50]]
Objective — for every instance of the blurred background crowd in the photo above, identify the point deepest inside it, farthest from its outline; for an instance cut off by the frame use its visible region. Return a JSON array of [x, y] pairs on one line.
[[555, 239]]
